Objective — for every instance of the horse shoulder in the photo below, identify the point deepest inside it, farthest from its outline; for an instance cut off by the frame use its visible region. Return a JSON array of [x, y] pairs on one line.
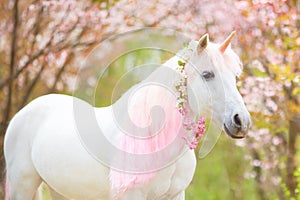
[[184, 172]]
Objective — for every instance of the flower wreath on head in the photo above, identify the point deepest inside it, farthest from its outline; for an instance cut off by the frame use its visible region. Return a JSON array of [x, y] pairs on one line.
[[194, 129]]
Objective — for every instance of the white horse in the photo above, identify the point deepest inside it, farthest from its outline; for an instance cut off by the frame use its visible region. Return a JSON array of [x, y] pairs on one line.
[[42, 142]]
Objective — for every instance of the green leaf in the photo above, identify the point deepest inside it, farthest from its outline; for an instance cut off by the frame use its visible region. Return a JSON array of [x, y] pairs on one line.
[[180, 63], [296, 92], [185, 45]]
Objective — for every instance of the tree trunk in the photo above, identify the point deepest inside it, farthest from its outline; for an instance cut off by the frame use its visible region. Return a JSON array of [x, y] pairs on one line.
[[291, 166], [259, 186], [8, 107]]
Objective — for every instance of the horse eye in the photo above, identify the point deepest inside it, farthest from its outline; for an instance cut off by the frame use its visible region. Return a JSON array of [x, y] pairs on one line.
[[208, 75]]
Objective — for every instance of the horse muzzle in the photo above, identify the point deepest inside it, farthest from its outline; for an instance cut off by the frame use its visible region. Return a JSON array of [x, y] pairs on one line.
[[237, 127]]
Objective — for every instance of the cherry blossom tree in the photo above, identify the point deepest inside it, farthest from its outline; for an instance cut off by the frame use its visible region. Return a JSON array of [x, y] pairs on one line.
[[271, 45], [43, 42], [39, 42]]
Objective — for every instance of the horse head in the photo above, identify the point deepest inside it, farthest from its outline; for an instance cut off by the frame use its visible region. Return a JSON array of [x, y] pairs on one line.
[[213, 69]]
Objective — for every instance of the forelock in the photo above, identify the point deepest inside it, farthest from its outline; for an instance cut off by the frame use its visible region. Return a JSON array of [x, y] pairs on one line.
[[228, 60]]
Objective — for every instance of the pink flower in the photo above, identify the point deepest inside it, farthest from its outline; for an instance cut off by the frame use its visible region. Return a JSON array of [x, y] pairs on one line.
[[194, 130]]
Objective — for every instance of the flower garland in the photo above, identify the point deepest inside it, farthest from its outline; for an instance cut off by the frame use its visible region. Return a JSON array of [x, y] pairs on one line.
[[194, 130]]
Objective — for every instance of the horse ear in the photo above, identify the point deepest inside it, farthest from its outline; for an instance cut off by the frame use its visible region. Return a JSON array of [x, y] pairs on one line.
[[203, 42], [226, 43]]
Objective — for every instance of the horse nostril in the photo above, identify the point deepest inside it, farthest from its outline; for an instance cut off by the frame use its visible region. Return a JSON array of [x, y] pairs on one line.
[[237, 121]]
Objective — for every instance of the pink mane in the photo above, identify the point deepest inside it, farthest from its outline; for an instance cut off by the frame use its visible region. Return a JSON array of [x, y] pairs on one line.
[[140, 105]]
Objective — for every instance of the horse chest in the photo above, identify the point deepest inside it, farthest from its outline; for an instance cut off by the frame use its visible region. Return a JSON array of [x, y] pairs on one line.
[[169, 181]]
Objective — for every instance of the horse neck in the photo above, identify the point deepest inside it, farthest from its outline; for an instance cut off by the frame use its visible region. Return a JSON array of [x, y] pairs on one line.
[[157, 91], [164, 76]]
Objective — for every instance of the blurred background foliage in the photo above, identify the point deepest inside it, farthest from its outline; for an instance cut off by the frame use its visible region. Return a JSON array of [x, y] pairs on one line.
[[43, 43]]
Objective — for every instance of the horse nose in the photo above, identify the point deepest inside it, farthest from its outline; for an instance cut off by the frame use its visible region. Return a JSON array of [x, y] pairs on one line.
[[237, 121], [241, 122]]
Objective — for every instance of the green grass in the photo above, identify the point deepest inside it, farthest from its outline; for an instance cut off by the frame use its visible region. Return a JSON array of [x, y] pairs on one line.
[[46, 195], [220, 175]]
